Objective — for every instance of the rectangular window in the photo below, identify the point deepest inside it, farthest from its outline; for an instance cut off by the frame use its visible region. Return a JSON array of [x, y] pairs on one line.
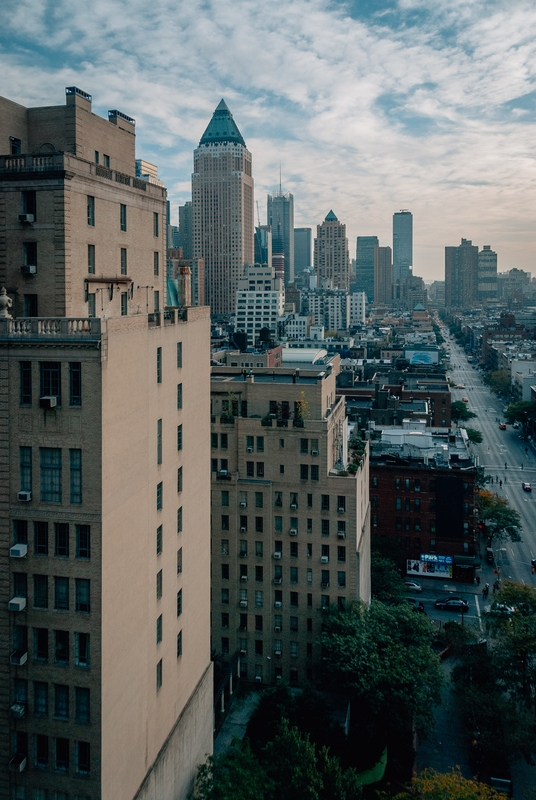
[[304, 446], [91, 259], [82, 704], [25, 383], [179, 603], [15, 146], [260, 469], [159, 629], [20, 531], [25, 460], [314, 472], [41, 538], [159, 675], [61, 647], [179, 437], [179, 355], [159, 585], [259, 598], [75, 457], [82, 754], [61, 701], [91, 211], [159, 365], [179, 644], [341, 579], [225, 596], [40, 644], [156, 301], [96, 156], [258, 500], [159, 496], [106, 160], [122, 217], [61, 539], [225, 522], [158, 441], [123, 260], [159, 540], [304, 472], [83, 591], [50, 474], [124, 304], [294, 599], [179, 519], [324, 502], [20, 584], [50, 380], [83, 541], [41, 762], [156, 263], [155, 224], [29, 305], [179, 395], [250, 469], [81, 641], [75, 383], [259, 574], [29, 203], [91, 312], [324, 527], [179, 479], [40, 591], [294, 574], [61, 761], [224, 441], [260, 444], [259, 549]]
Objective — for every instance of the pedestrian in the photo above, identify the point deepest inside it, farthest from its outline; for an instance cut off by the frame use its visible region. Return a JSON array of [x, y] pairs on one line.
[[505, 465], [526, 451], [505, 479], [478, 579], [500, 484], [496, 477], [521, 465]]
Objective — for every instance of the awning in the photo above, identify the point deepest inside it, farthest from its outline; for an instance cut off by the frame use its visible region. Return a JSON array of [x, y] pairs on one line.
[[465, 561]]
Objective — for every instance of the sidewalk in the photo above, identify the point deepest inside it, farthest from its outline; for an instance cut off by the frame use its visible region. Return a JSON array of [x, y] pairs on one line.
[[236, 721]]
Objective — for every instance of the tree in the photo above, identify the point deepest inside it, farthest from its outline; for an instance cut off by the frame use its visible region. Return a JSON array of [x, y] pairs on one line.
[[502, 522], [498, 381], [459, 411], [235, 775], [431, 785], [474, 435], [523, 412], [386, 581]]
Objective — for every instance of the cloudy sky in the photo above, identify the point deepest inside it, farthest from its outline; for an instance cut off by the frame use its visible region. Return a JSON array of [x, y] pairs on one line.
[[371, 106]]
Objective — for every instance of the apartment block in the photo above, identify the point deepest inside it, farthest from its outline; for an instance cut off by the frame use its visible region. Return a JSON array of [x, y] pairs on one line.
[[105, 672], [290, 523], [260, 300], [331, 257]]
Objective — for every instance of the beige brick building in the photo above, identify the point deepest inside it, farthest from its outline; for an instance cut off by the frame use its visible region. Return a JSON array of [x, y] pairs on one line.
[[105, 674], [290, 527], [330, 256]]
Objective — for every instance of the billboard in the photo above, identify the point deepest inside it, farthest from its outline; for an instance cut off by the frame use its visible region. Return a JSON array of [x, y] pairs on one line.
[[430, 565], [422, 356]]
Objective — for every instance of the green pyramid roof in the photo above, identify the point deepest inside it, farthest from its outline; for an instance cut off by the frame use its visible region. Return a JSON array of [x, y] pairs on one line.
[[331, 217], [419, 307], [222, 127]]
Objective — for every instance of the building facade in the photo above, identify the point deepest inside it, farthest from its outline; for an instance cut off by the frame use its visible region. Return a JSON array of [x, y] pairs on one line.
[[402, 245], [461, 275], [290, 526], [487, 274], [222, 209], [186, 233], [280, 216], [383, 277], [105, 672], [303, 249], [366, 258], [260, 301], [331, 258]]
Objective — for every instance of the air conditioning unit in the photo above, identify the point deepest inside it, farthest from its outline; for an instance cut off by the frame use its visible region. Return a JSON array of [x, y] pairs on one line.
[[18, 550], [224, 472], [18, 658], [243, 529], [277, 554], [314, 452], [324, 559], [24, 497], [29, 269], [324, 585], [243, 604], [293, 506], [18, 710], [341, 509], [243, 554], [258, 679], [279, 677], [293, 532], [243, 504], [277, 628], [249, 449], [243, 652], [277, 653], [341, 534], [18, 763], [48, 402], [27, 218], [277, 581], [278, 604], [243, 577], [17, 604]]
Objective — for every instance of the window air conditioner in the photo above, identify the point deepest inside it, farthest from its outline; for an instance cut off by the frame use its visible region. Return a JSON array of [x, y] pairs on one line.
[[18, 550], [293, 532], [278, 604], [224, 472], [18, 657], [18, 710], [27, 218], [243, 652], [277, 628], [324, 559], [324, 585], [17, 604], [243, 529], [24, 497], [341, 534], [278, 653], [341, 509], [258, 679], [314, 452], [243, 554], [243, 577], [29, 269], [293, 506], [249, 449], [277, 581], [277, 554], [243, 604], [48, 402], [18, 763], [243, 504]]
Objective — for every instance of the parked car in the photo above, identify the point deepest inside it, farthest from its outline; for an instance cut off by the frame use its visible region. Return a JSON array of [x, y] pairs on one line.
[[527, 487], [490, 555], [499, 610], [465, 399], [502, 426], [413, 586], [452, 604], [417, 605]]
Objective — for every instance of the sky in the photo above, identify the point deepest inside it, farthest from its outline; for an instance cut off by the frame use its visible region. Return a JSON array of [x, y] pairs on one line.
[[368, 106]]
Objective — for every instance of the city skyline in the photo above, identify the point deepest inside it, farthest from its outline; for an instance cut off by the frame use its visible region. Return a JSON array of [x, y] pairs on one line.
[[447, 134]]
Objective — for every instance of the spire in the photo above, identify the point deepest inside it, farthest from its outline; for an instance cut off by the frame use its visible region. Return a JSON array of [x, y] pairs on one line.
[[222, 127], [331, 217]]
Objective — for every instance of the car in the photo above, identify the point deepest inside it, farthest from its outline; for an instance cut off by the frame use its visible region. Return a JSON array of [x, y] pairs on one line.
[[459, 386], [452, 604], [527, 487], [465, 399], [502, 426], [417, 605], [516, 425], [499, 610], [413, 586]]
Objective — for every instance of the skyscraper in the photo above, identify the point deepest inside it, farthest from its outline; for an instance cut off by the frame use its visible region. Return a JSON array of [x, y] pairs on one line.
[[383, 276], [331, 258], [186, 232], [365, 257], [402, 245], [105, 672], [280, 212], [487, 274], [461, 275], [222, 201], [303, 245]]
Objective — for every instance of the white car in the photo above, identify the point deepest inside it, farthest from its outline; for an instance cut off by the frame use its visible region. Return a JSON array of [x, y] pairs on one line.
[[413, 586]]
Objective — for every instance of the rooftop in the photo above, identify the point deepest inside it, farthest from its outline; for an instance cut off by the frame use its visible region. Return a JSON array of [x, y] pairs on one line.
[[222, 128]]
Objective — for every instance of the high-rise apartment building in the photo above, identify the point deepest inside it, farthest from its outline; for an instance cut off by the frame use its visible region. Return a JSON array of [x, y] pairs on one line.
[[303, 248], [365, 259], [290, 525], [222, 203], [461, 275], [402, 245], [383, 276], [105, 672], [331, 258], [280, 216], [487, 274], [260, 300], [186, 231]]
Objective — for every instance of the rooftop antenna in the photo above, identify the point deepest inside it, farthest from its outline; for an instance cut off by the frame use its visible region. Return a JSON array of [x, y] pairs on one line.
[[258, 214], [280, 191]]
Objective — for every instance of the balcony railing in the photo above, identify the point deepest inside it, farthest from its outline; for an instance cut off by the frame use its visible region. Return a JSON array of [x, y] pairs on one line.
[[51, 327]]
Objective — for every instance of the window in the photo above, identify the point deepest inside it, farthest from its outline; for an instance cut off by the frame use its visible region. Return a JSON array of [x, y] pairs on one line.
[[281, 469], [50, 379], [61, 647], [82, 704], [294, 574], [91, 211], [179, 603], [96, 156], [250, 469], [61, 761], [259, 550], [324, 502], [259, 598], [159, 496], [41, 762], [156, 264], [304, 446], [25, 383], [40, 644], [314, 472], [155, 225], [30, 305], [179, 519], [156, 301], [398, 503], [225, 522], [258, 647], [159, 540], [225, 645], [417, 485], [91, 305], [91, 259], [224, 441], [61, 701], [122, 217], [179, 479], [123, 260], [159, 675], [225, 596], [304, 472], [25, 460], [50, 474], [259, 500], [41, 538], [260, 469], [341, 579], [179, 355], [83, 541], [29, 203], [225, 572], [225, 620], [40, 698], [40, 591], [159, 585], [82, 586], [81, 651], [294, 599], [260, 444], [159, 365], [30, 253], [15, 146], [159, 629], [20, 584], [75, 458], [179, 644], [124, 304], [324, 527], [75, 383], [61, 594]]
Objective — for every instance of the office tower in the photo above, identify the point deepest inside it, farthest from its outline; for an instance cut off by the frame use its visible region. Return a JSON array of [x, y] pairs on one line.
[[303, 243], [290, 526], [263, 245], [365, 258], [461, 275], [186, 231], [487, 274], [260, 300], [105, 673], [280, 216], [222, 203], [383, 276], [402, 245], [331, 258]]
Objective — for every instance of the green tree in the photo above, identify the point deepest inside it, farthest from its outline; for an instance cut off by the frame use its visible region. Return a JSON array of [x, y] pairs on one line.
[[459, 411], [523, 412], [431, 785], [291, 763], [474, 436], [386, 581], [498, 381], [502, 522], [235, 775]]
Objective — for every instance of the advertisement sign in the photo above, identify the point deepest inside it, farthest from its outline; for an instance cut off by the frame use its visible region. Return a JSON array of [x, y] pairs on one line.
[[422, 356], [430, 565]]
